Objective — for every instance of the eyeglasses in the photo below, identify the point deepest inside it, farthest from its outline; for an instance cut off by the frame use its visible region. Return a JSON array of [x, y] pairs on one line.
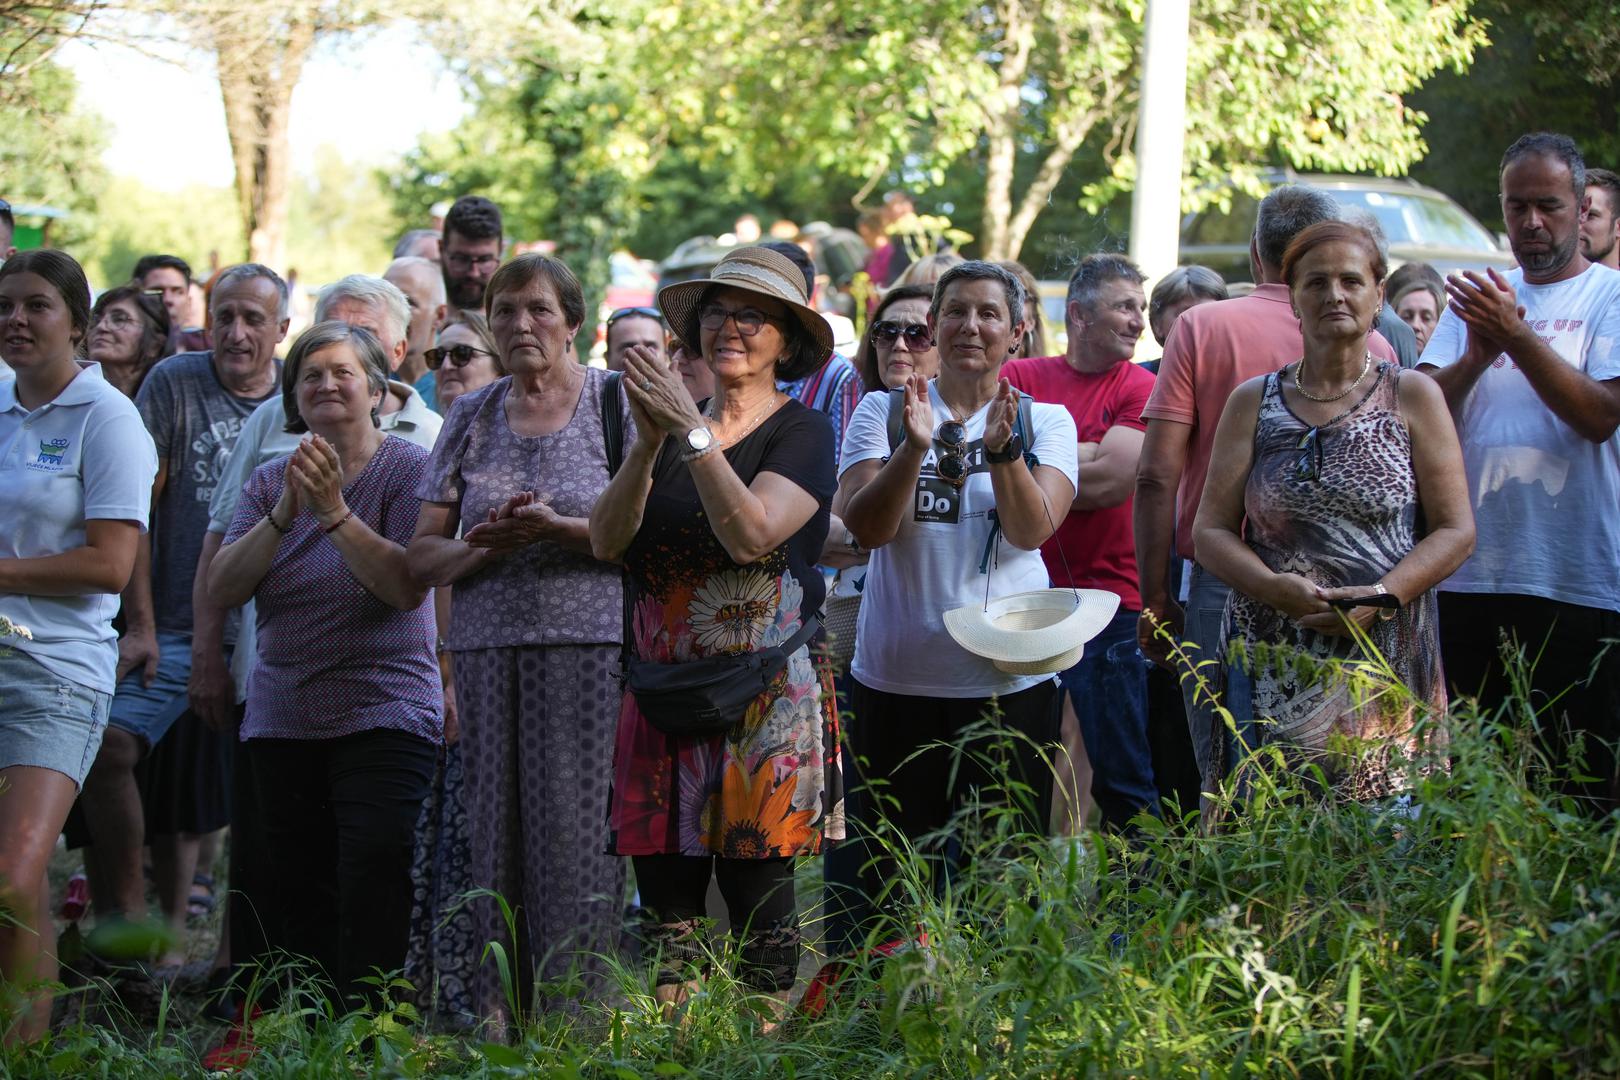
[[458, 355], [467, 262], [1308, 466], [916, 334], [749, 320], [635, 313], [117, 318], [953, 467]]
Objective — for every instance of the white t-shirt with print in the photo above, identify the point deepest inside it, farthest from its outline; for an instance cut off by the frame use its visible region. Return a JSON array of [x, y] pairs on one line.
[[1546, 500], [84, 456], [932, 564]]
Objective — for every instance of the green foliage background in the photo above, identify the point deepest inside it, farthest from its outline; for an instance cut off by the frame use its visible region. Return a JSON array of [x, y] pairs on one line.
[[648, 122]]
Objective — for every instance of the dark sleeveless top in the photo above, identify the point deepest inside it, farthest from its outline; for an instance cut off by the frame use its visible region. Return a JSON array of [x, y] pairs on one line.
[[1337, 503]]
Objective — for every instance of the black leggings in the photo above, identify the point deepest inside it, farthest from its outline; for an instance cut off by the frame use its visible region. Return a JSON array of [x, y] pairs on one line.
[[759, 900], [909, 772]]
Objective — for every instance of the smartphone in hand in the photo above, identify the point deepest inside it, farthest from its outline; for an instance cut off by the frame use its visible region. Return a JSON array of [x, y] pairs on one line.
[[1377, 600]]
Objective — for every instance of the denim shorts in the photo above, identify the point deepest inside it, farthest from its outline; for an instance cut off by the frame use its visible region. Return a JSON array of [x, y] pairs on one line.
[[150, 711], [47, 721]]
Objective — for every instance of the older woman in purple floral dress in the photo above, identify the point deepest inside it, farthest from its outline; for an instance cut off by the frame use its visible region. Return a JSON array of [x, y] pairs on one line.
[[534, 632]]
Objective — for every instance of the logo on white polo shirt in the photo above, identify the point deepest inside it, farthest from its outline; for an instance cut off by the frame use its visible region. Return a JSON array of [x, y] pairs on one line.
[[51, 455]]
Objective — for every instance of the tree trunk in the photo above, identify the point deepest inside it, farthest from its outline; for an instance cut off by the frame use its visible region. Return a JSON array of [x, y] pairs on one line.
[[1001, 128], [257, 74], [1068, 140]]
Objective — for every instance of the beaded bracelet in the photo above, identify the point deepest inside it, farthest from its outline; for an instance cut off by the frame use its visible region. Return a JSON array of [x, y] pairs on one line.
[[335, 526]]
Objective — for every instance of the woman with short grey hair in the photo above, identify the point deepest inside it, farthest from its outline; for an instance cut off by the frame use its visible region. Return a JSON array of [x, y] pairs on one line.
[[953, 483], [344, 708], [1181, 289]]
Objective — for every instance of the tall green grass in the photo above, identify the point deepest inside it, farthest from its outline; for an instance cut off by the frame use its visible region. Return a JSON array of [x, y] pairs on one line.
[[1477, 935]]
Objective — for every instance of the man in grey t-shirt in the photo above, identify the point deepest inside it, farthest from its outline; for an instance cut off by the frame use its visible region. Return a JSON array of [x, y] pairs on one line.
[[194, 405]]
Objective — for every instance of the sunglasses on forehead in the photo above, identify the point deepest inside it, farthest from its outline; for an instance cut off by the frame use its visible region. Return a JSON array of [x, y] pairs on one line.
[[916, 334], [458, 355], [636, 313]]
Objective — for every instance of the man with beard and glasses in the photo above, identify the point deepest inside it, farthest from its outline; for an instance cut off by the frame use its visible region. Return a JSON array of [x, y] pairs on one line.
[[470, 252], [1600, 229], [1530, 365]]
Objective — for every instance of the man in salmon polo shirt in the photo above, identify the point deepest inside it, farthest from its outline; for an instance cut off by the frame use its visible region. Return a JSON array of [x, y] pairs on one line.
[[1212, 349], [1092, 549]]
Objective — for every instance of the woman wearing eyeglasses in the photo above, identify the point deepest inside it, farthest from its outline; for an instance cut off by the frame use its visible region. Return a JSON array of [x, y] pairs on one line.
[[898, 341], [464, 358], [129, 332], [534, 628], [442, 962], [719, 515], [954, 506], [1320, 476]]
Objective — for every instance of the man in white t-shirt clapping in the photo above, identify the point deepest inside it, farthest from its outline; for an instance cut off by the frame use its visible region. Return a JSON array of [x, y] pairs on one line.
[[1530, 364]]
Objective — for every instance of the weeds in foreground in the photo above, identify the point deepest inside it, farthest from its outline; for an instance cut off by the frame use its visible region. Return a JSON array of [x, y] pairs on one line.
[[1473, 931]]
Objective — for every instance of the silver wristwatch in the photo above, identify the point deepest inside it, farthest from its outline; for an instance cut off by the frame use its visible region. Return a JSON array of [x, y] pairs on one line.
[[699, 441]]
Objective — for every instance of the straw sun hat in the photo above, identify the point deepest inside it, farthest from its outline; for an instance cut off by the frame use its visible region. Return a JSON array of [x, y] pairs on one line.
[[1033, 633], [752, 269]]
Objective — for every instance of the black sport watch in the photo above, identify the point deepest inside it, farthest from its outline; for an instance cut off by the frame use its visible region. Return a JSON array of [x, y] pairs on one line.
[[1011, 452]]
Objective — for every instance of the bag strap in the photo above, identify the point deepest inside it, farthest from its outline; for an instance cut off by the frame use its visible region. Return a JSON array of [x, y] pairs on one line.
[[806, 631], [1026, 428], [613, 444], [613, 421], [897, 418]]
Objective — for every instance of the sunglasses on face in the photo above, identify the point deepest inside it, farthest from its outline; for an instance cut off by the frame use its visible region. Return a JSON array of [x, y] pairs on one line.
[[953, 466], [749, 320], [916, 334], [458, 355], [635, 313]]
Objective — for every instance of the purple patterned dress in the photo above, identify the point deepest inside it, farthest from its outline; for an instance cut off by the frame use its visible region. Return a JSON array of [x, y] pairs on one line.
[[534, 637]]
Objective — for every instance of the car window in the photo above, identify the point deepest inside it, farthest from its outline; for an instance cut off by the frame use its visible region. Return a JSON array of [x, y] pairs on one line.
[[1420, 220], [1215, 226]]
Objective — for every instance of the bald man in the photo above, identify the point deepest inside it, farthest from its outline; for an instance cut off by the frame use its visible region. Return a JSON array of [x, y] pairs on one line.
[[423, 285]]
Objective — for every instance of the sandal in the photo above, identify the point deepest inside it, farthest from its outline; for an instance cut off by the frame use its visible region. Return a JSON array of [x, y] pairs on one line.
[[200, 904]]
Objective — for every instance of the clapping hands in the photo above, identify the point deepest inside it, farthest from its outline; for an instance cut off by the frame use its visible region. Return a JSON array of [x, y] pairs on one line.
[[522, 520], [314, 481]]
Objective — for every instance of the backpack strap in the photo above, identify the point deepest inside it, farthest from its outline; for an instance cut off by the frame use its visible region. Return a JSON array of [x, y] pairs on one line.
[[1024, 425], [897, 419], [613, 421]]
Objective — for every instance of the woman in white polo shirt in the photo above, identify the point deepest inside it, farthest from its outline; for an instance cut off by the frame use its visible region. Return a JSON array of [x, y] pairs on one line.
[[955, 500], [75, 487]]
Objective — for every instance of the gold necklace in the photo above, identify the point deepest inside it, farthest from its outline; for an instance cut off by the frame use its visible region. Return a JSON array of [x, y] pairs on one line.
[[1300, 366], [770, 404]]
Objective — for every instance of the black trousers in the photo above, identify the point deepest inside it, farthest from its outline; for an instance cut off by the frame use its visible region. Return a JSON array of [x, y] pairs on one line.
[[918, 767], [338, 821], [1561, 641], [759, 900]]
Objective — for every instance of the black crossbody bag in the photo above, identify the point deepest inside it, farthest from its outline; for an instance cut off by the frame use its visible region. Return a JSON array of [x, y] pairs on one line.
[[700, 697]]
